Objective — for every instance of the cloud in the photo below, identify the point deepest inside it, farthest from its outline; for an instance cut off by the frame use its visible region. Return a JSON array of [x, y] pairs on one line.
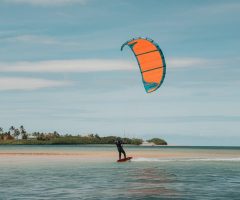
[[97, 65], [23, 83], [55, 66], [47, 2], [190, 62], [84, 42], [31, 39]]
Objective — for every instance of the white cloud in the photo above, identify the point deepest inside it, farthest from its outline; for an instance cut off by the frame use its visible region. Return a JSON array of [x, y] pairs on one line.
[[32, 39], [23, 83], [97, 65], [46, 2], [190, 62], [53, 66], [78, 43]]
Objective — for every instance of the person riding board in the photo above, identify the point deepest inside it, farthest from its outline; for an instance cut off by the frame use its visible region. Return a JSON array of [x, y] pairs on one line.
[[119, 145]]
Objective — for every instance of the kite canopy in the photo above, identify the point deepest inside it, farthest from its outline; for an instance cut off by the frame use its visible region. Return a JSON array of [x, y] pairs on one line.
[[150, 60]]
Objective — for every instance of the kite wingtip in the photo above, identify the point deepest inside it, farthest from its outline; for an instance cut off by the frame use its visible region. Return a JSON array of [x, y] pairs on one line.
[[124, 45]]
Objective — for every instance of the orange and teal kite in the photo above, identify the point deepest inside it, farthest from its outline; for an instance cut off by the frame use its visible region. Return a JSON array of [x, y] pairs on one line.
[[150, 61]]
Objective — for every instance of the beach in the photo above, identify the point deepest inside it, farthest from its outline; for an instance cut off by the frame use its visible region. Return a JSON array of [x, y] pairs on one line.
[[91, 172], [109, 152]]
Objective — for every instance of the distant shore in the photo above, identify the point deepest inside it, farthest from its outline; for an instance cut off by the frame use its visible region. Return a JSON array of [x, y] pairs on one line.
[[39, 142], [56, 139], [19, 136]]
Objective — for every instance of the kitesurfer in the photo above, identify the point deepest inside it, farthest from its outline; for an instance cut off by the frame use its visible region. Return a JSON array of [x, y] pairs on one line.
[[119, 145]]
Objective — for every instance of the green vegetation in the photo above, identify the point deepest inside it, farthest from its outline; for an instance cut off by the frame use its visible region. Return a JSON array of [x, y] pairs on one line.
[[21, 136], [158, 141]]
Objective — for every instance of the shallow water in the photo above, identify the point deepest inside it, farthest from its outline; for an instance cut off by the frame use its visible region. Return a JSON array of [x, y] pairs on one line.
[[208, 173]]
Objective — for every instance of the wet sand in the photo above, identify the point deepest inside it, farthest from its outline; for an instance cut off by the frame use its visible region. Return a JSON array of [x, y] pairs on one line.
[[112, 154]]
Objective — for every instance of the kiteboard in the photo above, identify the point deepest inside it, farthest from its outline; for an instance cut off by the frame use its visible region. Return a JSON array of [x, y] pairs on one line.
[[124, 159]]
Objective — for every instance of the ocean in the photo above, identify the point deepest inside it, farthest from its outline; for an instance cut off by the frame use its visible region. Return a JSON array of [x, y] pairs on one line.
[[91, 172]]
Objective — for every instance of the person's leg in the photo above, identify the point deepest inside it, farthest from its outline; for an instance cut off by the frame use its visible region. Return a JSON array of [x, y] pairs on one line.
[[119, 153], [123, 153]]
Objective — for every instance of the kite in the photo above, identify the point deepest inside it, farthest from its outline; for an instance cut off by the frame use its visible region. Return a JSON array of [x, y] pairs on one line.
[[150, 60]]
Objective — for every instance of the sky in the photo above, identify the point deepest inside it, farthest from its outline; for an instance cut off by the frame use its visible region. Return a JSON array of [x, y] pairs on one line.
[[61, 69]]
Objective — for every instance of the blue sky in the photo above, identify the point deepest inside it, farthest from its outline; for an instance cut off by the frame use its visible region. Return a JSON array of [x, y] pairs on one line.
[[61, 69]]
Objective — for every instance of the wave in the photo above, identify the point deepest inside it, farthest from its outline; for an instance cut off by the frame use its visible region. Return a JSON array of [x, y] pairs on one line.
[[186, 160]]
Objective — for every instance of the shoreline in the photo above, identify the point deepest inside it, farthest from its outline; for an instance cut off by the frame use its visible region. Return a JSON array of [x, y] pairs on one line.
[[94, 153], [126, 145]]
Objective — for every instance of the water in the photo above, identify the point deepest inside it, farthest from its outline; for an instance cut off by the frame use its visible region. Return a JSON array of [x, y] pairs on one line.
[[185, 173]]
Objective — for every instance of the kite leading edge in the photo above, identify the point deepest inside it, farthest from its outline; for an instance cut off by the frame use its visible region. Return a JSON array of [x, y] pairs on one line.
[[150, 60]]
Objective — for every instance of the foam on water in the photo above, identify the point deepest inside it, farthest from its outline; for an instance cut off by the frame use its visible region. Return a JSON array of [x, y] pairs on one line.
[[186, 159]]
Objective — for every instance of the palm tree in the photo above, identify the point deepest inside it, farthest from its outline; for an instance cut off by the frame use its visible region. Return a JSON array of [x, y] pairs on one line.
[[1, 133], [55, 134], [22, 129], [23, 132], [16, 133], [12, 129]]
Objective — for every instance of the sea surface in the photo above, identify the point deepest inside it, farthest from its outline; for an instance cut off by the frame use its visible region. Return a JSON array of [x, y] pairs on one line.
[[187, 173]]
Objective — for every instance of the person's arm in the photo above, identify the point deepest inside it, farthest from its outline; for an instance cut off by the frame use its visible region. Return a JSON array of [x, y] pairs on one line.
[[122, 143]]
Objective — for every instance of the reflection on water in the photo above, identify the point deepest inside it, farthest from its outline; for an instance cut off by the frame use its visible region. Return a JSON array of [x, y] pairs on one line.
[[151, 182]]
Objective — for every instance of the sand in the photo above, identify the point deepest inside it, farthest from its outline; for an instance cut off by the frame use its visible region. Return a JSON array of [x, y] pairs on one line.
[[164, 154]]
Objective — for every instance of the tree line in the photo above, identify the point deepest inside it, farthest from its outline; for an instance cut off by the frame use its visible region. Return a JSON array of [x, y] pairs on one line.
[[21, 136], [13, 133]]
